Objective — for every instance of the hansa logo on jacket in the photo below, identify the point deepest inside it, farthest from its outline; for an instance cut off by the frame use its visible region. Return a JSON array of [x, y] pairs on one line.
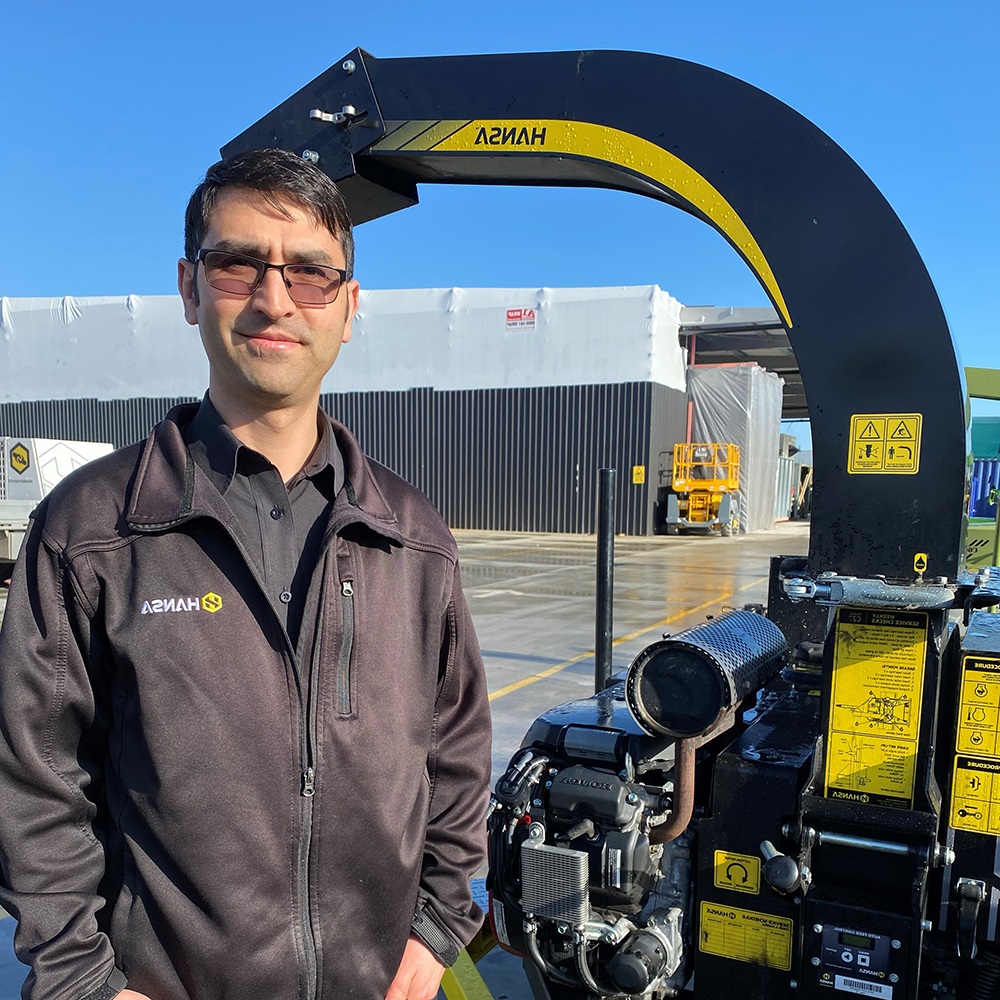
[[211, 602]]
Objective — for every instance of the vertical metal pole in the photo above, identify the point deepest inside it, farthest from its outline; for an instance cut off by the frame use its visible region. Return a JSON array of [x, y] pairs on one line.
[[605, 576], [692, 347]]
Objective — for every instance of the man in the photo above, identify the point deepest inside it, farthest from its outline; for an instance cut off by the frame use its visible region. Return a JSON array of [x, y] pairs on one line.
[[244, 735]]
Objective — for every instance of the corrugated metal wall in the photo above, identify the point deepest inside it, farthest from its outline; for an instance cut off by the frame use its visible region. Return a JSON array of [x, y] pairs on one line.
[[788, 484], [521, 459], [117, 421], [498, 459]]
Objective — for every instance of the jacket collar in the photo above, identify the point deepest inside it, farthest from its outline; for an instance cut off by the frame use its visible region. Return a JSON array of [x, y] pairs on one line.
[[168, 488]]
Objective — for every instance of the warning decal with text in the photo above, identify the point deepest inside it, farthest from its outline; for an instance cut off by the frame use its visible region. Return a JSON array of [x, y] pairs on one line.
[[975, 788], [746, 936], [975, 795], [739, 872], [878, 676], [522, 318], [885, 443]]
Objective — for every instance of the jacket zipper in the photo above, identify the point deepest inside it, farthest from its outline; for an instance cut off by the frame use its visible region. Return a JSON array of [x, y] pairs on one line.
[[308, 719], [307, 729], [346, 648]]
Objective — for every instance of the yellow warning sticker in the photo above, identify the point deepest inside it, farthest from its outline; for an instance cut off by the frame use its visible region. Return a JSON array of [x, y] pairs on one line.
[[739, 872], [20, 458], [638, 475], [979, 708], [885, 443], [975, 795], [878, 677], [746, 936], [920, 562]]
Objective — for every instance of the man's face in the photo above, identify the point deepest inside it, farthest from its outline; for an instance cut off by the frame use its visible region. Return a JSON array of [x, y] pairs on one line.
[[265, 352]]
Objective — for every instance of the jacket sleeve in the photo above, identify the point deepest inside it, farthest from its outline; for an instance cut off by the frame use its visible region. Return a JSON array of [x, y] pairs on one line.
[[52, 749], [447, 918]]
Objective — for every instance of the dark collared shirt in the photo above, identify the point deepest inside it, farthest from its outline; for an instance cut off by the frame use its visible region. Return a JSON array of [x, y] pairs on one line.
[[281, 527]]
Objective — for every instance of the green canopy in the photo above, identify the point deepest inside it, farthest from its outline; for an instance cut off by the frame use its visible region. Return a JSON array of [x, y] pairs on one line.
[[986, 438]]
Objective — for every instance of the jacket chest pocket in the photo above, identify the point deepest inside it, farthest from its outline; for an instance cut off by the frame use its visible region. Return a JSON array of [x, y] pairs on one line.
[[335, 654], [345, 650], [380, 646]]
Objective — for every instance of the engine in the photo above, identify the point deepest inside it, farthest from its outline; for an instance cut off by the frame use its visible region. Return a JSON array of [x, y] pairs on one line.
[[802, 804], [579, 882], [591, 873]]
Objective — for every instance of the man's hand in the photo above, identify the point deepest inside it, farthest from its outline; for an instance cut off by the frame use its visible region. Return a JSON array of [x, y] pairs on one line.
[[131, 995], [419, 974]]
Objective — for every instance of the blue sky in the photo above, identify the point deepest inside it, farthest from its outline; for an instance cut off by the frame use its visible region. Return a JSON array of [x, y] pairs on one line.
[[110, 113]]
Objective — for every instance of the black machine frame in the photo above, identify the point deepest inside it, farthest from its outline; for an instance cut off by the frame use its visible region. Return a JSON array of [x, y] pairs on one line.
[[809, 223], [883, 599]]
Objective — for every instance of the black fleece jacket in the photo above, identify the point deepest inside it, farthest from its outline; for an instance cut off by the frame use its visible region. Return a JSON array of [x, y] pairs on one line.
[[183, 797]]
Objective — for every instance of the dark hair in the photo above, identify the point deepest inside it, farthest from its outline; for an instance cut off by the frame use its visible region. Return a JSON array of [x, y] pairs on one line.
[[273, 174]]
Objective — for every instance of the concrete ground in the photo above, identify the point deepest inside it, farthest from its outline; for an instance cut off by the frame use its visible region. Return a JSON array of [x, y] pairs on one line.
[[532, 598]]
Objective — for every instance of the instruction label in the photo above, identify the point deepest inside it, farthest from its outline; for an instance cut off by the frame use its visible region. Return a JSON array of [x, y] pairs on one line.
[[975, 787], [885, 443], [739, 872], [746, 936], [979, 708], [975, 795], [878, 677]]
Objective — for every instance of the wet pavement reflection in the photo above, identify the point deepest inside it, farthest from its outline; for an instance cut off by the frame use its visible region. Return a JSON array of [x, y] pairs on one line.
[[533, 598]]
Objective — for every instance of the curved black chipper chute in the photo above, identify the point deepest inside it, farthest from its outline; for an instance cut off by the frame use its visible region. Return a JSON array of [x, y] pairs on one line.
[[885, 391]]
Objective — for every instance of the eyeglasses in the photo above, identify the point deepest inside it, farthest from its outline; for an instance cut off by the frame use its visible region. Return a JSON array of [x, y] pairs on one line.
[[240, 274]]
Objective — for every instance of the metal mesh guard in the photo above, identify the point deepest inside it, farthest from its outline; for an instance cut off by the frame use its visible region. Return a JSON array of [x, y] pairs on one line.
[[747, 647], [554, 883]]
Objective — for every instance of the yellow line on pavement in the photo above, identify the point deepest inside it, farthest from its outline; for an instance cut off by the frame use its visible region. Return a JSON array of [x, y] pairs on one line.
[[551, 671]]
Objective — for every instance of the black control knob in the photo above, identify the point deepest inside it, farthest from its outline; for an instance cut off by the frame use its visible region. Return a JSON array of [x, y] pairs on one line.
[[780, 871]]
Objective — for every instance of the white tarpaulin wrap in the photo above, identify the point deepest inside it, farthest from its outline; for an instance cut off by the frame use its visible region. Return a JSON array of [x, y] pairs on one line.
[[98, 348], [458, 338], [493, 338], [742, 404]]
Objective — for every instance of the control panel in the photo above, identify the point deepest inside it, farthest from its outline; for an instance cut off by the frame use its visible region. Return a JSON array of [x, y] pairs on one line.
[[854, 960]]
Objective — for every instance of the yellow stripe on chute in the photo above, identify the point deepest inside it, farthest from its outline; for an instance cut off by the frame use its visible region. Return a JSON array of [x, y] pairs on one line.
[[596, 142]]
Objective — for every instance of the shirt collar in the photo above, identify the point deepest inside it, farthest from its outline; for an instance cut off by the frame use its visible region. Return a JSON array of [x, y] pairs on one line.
[[213, 446], [219, 453]]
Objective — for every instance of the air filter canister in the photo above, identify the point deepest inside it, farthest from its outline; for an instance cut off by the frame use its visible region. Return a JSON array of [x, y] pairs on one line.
[[684, 686]]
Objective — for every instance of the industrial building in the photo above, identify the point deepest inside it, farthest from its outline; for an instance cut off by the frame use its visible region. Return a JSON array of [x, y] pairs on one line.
[[500, 404]]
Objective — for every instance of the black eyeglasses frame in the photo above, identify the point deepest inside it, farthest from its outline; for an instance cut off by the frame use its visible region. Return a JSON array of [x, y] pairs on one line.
[[265, 266]]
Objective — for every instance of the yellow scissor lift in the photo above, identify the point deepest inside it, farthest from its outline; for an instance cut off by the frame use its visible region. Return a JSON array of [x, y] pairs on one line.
[[706, 476]]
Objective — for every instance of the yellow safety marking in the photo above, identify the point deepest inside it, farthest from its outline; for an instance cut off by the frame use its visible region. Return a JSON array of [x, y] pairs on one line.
[[421, 134], [885, 443], [875, 703], [638, 475], [739, 872], [975, 795], [597, 142], [589, 655], [463, 982], [746, 936], [920, 562], [20, 458]]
